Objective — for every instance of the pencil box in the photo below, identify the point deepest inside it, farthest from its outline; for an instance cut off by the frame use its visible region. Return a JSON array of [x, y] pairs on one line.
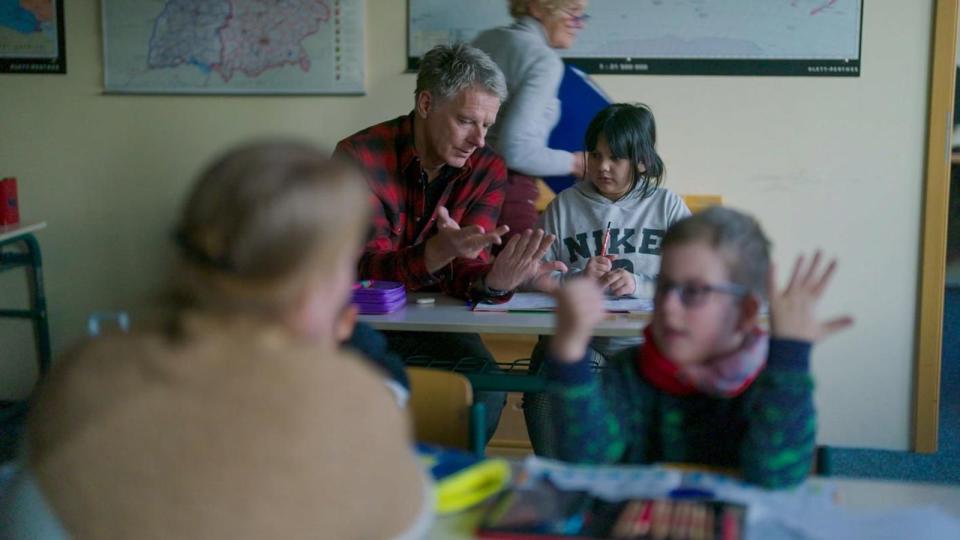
[[542, 511], [379, 297]]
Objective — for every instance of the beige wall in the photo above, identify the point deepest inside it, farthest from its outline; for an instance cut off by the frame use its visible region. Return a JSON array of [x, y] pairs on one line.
[[832, 162]]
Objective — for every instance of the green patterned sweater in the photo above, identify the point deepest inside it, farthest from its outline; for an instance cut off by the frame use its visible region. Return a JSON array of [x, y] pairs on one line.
[[767, 432]]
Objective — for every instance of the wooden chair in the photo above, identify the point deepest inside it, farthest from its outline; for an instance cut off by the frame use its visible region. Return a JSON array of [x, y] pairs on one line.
[[444, 414], [697, 203], [545, 196]]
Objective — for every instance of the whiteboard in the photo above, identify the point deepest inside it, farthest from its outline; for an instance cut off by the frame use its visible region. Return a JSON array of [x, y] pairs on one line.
[[677, 37]]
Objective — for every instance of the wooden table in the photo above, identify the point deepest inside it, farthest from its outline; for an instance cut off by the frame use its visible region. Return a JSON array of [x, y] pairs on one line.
[[452, 315], [11, 233]]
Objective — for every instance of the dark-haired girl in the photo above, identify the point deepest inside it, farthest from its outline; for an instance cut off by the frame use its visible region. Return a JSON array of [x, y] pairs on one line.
[[621, 194]]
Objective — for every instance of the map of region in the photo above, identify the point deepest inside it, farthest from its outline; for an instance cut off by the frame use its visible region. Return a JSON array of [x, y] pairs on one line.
[[28, 29], [780, 30], [234, 46]]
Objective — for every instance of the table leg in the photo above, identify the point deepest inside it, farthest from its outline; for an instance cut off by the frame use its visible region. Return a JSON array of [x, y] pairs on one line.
[[37, 313]]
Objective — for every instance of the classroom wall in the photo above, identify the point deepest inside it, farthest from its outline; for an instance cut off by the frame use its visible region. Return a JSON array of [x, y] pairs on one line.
[[833, 163]]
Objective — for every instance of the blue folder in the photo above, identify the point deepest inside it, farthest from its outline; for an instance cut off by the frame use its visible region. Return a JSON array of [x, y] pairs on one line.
[[580, 100]]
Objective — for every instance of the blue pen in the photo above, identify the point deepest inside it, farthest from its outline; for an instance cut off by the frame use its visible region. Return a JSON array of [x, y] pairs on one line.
[[574, 522], [687, 493]]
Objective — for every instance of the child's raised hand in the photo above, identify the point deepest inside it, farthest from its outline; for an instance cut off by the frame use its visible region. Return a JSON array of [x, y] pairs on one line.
[[598, 266], [619, 282], [791, 309], [579, 310]]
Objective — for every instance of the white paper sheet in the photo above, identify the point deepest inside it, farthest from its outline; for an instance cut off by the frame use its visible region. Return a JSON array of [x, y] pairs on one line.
[[531, 301]]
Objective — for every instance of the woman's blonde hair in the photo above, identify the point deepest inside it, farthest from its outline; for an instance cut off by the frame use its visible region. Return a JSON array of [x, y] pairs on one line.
[[521, 8], [262, 219]]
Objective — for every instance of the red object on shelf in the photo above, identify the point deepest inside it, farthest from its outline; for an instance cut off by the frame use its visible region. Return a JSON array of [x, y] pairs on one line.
[[9, 208]]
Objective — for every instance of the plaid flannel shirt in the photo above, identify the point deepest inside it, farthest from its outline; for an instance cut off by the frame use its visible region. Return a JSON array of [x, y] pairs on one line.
[[473, 196]]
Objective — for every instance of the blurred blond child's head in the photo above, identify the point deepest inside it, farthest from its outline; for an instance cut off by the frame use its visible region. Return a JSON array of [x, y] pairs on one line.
[[273, 229], [712, 283]]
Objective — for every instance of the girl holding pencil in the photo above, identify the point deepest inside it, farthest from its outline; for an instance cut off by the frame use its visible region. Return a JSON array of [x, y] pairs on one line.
[[609, 227]]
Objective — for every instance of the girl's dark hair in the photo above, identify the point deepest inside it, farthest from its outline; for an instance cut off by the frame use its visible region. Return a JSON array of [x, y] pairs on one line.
[[631, 133]]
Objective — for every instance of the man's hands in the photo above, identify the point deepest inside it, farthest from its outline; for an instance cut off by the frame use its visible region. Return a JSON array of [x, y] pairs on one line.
[[452, 242], [521, 261]]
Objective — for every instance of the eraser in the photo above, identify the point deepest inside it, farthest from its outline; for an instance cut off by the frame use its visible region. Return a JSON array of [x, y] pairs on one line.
[[425, 301]]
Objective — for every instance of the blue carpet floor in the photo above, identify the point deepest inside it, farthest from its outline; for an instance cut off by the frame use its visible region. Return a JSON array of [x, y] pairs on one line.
[[942, 467]]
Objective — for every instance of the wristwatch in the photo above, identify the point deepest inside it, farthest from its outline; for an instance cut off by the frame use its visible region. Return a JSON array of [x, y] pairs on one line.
[[490, 291]]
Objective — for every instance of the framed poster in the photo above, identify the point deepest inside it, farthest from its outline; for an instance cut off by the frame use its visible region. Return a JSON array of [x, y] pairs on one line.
[[675, 37], [31, 36], [233, 46]]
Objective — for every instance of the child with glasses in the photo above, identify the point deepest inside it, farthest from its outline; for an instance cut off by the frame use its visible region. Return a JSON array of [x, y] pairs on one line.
[[708, 385]]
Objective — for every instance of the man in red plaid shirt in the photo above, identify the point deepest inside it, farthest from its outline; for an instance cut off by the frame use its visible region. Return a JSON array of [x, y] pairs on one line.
[[437, 193]]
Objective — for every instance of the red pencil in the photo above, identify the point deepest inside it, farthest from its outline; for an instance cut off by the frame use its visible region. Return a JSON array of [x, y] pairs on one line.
[[606, 241]]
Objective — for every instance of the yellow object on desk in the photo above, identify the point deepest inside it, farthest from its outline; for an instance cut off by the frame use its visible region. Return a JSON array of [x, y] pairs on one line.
[[462, 479], [472, 485]]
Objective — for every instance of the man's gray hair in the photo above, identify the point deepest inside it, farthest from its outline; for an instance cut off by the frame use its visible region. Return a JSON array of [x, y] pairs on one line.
[[447, 70]]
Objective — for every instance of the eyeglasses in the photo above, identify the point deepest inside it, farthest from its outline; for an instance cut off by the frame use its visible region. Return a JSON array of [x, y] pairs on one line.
[[695, 294], [574, 20]]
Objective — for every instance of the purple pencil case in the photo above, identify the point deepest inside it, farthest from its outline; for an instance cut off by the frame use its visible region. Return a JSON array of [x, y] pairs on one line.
[[379, 297], [379, 308]]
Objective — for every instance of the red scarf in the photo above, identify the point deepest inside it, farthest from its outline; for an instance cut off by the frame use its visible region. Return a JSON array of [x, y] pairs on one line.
[[723, 376]]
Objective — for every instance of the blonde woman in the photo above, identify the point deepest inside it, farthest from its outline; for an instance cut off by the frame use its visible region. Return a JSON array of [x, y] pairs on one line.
[[527, 53], [240, 417]]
